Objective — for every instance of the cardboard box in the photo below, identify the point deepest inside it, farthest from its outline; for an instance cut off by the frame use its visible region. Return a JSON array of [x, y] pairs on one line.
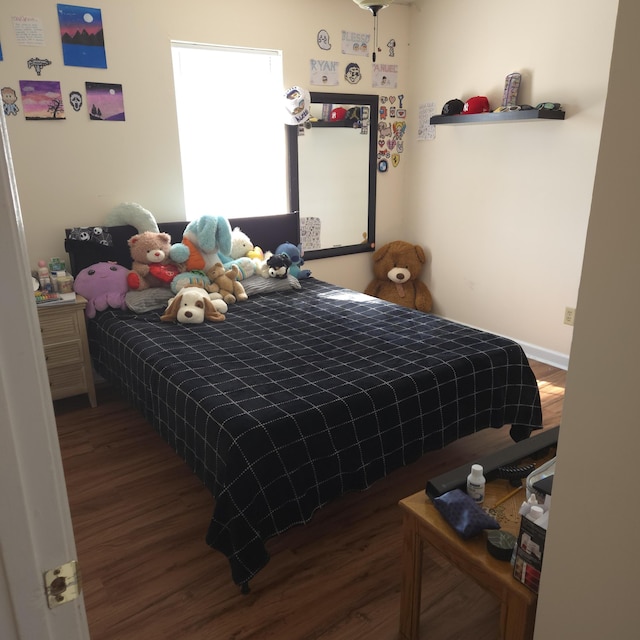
[[529, 553]]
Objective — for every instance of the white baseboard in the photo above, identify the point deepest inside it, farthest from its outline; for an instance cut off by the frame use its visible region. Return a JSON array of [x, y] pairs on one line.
[[554, 358]]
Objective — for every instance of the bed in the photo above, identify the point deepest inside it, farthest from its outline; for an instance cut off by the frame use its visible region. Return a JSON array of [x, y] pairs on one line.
[[303, 394]]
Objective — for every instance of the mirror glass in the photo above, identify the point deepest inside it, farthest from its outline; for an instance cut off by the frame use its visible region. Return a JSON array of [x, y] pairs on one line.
[[333, 166]]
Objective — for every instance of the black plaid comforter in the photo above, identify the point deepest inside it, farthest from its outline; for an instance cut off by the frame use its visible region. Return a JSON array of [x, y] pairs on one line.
[[301, 396]]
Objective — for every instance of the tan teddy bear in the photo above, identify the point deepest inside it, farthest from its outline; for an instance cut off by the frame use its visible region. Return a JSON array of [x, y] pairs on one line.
[[224, 281], [151, 265], [397, 267]]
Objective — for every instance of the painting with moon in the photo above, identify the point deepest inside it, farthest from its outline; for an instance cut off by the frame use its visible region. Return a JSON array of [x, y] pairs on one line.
[[105, 101], [82, 36]]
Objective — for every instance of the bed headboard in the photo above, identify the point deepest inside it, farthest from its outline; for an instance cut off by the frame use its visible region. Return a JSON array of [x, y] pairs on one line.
[[266, 232]]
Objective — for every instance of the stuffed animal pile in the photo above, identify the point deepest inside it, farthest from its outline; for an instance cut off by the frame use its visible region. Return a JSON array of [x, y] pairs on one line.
[[397, 267]]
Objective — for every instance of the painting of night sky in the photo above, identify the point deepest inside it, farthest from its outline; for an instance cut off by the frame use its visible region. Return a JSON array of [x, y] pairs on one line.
[[82, 36], [105, 101], [42, 100]]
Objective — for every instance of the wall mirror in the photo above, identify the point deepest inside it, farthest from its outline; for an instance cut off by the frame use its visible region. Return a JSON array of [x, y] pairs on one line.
[[333, 174]]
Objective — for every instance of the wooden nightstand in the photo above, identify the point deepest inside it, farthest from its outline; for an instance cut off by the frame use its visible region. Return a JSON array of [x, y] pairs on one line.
[[66, 350]]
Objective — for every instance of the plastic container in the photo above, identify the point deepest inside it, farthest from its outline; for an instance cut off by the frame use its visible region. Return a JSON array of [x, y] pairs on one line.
[[476, 483], [544, 471], [44, 277]]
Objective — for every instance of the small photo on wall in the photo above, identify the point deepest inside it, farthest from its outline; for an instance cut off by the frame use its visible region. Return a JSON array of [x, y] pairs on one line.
[[105, 101], [42, 100], [82, 36]]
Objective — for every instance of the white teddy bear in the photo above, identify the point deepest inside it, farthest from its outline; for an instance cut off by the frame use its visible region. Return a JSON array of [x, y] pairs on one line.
[[244, 255]]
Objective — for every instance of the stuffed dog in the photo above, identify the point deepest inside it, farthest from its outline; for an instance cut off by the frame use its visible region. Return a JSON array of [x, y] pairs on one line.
[[192, 305]]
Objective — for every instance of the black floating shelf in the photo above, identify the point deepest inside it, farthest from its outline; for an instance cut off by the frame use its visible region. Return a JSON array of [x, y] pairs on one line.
[[502, 116], [335, 124]]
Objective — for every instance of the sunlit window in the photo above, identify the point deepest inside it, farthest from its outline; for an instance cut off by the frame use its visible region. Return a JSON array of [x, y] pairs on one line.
[[231, 128]]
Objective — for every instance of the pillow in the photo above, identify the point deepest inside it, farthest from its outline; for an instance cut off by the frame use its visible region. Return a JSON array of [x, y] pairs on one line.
[[255, 285], [464, 514], [148, 299]]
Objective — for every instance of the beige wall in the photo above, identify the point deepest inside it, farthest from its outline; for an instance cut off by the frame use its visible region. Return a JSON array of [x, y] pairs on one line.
[[501, 209], [504, 207], [74, 171]]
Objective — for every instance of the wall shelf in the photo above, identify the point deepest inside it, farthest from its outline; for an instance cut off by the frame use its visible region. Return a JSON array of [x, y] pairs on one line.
[[504, 116]]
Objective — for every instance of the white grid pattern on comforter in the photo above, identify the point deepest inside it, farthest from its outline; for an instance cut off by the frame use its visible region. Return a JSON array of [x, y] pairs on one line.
[[298, 397]]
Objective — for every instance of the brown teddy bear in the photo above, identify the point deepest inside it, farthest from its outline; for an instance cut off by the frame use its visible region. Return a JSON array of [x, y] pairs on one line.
[[151, 265], [397, 267], [225, 282]]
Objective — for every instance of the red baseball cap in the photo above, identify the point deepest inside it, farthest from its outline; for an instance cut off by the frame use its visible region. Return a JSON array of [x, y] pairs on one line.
[[339, 113], [477, 104]]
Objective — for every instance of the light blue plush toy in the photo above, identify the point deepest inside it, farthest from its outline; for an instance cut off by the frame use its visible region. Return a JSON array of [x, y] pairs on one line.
[[203, 239], [295, 253]]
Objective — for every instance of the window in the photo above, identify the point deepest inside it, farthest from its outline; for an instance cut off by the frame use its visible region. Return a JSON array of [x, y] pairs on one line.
[[231, 128]]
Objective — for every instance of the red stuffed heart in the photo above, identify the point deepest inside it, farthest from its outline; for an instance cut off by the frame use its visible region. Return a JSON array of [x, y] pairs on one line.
[[164, 272]]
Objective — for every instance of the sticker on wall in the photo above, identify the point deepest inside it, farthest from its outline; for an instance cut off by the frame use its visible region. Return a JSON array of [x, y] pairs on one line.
[[426, 131], [9, 101], [75, 100], [383, 165], [37, 64], [384, 130], [105, 101], [323, 72], [385, 75], [82, 36], [356, 44], [352, 73], [0, 51], [42, 100], [383, 113], [28, 31], [392, 47], [323, 40], [395, 159]]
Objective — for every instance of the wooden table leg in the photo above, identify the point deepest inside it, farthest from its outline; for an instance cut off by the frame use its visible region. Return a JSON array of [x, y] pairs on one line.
[[411, 582], [517, 618]]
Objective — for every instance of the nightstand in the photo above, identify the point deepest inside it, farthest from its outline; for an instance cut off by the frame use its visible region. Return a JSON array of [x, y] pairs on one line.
[[66, 350]]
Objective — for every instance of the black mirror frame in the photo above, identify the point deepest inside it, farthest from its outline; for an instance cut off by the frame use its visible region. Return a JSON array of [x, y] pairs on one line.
[[294, 184]]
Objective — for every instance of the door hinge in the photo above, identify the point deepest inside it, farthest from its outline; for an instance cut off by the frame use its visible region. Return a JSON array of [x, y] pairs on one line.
[[62, 584]]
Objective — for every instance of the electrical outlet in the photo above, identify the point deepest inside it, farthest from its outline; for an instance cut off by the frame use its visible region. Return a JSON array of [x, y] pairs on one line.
[[569, 315]]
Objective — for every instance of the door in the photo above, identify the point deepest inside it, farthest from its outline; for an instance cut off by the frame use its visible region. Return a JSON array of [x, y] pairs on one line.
[[35, 527]]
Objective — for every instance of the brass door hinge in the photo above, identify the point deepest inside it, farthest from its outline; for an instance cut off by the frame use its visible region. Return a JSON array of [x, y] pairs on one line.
[[62, 584]]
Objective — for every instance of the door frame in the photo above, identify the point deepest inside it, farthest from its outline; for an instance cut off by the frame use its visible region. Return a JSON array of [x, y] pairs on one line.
[[35, 527]]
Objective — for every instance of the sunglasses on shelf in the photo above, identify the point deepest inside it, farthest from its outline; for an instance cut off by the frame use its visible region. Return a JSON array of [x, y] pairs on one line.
[[513, 107], [549, 106]]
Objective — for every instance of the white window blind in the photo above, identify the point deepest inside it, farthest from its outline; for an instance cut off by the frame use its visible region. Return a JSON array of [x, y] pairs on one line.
[[231, 127]]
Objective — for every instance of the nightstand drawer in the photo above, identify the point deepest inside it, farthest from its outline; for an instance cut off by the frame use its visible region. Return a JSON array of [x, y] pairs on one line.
[[63, 353], [66, 350], [57, 325], [67, 381]]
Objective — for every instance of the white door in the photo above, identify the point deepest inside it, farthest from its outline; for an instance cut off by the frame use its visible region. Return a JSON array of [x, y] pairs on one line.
[[35, 523]]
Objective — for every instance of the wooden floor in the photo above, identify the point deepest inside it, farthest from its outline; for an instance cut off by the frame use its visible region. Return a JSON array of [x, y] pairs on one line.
[[140, 518]]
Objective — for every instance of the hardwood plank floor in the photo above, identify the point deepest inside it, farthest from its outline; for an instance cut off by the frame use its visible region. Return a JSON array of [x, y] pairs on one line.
[[140, 518]]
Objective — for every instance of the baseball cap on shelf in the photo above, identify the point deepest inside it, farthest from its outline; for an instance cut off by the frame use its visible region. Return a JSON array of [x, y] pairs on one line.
[[477, 104], [339, 113], [452, 107]]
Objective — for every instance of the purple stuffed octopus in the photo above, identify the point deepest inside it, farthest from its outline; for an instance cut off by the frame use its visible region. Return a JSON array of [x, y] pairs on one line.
[[103, 284]]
